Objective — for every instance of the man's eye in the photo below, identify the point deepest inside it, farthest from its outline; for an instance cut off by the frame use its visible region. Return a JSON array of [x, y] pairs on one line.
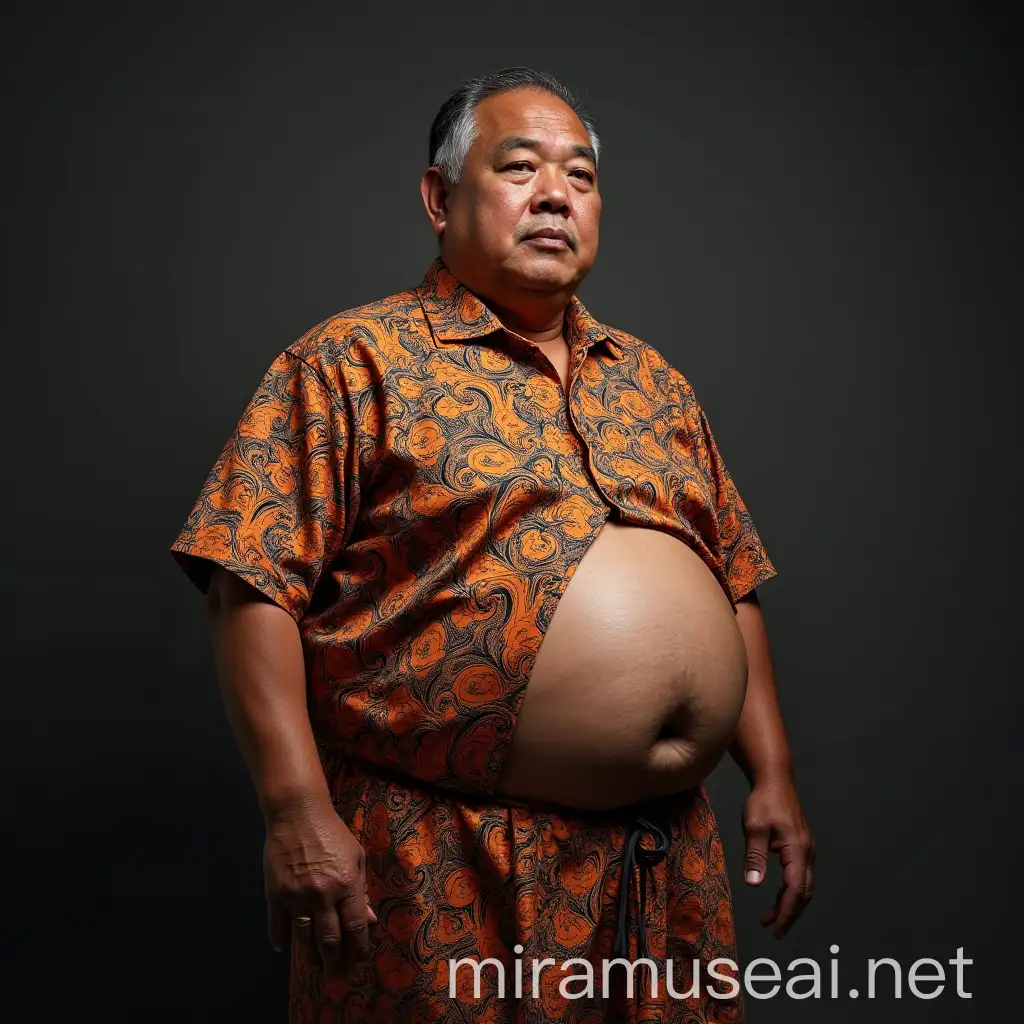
[[520, 165], [587, 176]]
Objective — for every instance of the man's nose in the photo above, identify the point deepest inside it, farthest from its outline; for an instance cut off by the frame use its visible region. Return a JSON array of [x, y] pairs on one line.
[[551, 194]]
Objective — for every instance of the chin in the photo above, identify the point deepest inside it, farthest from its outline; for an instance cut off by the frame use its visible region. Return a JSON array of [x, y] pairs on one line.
[[547, 272]]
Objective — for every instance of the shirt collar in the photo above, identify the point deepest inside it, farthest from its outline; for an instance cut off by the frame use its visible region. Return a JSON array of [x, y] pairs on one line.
[[454, 313]]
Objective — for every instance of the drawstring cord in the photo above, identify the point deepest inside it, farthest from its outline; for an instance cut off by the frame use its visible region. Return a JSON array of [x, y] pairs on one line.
[[644, 859]]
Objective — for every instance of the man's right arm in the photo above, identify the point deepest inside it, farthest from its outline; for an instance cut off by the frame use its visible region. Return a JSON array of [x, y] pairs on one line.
[[262, 676], [313, 864]]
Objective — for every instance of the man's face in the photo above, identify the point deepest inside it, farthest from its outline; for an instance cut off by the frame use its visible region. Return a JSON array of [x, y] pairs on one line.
[[529, 175]]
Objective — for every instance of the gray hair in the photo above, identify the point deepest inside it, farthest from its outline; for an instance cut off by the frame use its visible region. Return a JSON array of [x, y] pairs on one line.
[[454, 129]]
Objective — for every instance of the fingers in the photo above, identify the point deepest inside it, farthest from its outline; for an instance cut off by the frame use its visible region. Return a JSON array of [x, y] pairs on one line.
[[796, 891], [371, 917], [323, 938], [773, 822], [354, 914], [302, 936], [337, 936], [329, 940], [278, 926], [793, 874], [768, 916], [755, 862]]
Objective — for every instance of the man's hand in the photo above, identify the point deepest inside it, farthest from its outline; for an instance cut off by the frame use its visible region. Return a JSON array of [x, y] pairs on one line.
[[315, 878], [772, 820]]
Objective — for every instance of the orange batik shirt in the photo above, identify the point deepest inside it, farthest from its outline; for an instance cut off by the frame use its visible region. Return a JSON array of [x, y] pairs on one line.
[[411, 483]]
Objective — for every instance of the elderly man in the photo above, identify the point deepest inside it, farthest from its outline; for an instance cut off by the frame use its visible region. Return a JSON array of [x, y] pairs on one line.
[[482, 597]]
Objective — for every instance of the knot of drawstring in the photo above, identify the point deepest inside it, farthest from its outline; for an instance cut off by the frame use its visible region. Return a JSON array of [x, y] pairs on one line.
[[644, 859]]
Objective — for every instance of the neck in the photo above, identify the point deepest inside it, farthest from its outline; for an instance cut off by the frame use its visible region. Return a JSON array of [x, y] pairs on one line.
[[534, 314], [537, 323]]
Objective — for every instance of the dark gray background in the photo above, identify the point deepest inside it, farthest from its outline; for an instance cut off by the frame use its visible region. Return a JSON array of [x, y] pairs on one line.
[[814, 213]]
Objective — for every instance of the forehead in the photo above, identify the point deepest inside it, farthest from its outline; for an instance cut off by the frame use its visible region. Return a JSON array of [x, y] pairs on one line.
[[527, 112]]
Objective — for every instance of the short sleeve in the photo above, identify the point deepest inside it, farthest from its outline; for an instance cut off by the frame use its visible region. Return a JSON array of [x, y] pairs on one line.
[[746, 563], [272, 509]]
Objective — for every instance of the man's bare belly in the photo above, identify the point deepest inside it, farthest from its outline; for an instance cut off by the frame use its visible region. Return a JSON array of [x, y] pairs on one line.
[[639, 681]]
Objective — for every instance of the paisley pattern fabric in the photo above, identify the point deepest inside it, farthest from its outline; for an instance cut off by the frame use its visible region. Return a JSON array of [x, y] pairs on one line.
[[455, 879], [411, 482]]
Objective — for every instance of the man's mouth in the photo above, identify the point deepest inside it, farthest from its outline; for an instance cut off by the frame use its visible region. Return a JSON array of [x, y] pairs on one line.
[[551, 238]]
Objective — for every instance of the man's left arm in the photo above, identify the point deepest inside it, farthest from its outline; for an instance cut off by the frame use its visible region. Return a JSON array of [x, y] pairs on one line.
[[772, 819]]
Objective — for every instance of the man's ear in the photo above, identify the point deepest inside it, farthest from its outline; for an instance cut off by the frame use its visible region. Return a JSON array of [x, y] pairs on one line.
[[434, 192]]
